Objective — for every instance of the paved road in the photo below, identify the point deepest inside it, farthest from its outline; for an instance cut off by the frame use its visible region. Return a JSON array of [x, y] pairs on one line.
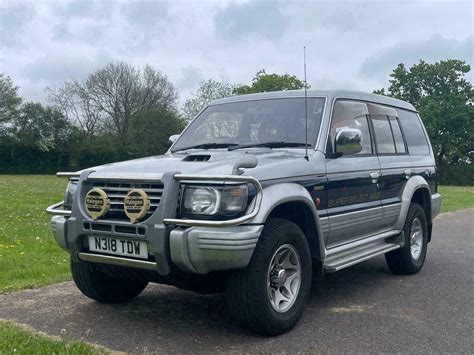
[[360, 309]]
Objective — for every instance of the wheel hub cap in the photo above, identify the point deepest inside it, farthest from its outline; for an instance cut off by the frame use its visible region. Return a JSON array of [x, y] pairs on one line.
[[416, 239], [284, 278]]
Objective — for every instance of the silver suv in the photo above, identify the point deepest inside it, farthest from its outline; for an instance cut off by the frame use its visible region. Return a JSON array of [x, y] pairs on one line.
[[256, 193]]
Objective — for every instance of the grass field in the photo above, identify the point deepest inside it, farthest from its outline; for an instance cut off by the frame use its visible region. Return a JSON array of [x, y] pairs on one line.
[[456, 197], [16, 340], [29, 256]]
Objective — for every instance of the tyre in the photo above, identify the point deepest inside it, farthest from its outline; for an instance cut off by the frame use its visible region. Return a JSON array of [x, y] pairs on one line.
[[106, 286], [270, 294], [410, 258]]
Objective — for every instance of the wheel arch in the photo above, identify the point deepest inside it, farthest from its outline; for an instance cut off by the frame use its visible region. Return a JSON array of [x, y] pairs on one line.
[[293, 202], [416, 190]]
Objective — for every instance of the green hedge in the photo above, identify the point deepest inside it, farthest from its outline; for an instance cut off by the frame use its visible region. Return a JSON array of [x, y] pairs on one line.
[[459, 175]]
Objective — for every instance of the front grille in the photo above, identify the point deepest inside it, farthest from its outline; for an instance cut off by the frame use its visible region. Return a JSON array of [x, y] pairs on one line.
[[116, 191]]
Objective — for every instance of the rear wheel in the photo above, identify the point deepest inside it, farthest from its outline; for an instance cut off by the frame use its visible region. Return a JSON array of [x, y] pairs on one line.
[[105, 286], [410, 258], [270, 294]]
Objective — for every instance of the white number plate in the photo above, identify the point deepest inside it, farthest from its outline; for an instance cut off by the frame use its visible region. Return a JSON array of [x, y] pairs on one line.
[[133, 248]]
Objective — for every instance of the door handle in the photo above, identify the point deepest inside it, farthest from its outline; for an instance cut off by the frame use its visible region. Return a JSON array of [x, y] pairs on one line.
[[374, 176], [408, 173]]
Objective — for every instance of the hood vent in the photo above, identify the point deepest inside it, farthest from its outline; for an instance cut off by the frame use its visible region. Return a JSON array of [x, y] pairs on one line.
[[197, 157]]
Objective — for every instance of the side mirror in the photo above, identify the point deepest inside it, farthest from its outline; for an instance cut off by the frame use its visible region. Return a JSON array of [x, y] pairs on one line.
[[173, 138], [348, 141]]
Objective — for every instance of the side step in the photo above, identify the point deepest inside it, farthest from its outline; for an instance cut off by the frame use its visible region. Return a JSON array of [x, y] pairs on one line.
[[350, 254]]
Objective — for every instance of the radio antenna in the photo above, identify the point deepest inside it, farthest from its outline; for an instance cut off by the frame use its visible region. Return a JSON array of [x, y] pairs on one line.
[[305, 107]]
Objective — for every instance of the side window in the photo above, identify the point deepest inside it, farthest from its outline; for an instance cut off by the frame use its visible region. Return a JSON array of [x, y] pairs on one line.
[[414, 134], [350, 114], [383, 134], [397, 135]]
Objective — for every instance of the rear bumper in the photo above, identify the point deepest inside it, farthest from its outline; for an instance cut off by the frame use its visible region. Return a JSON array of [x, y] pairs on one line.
[[435, 205], [200, 250]]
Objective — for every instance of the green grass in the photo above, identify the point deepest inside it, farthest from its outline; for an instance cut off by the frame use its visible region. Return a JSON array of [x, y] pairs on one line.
[[16, 340], [456, 197], [29, 255]]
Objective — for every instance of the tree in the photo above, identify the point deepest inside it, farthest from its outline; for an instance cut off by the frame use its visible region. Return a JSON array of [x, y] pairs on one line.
[[444, 99], [9, 99], [263, 82], [42, 128], [122, 91], [111, 97], [208, 90], [160, 125], [77, 104]]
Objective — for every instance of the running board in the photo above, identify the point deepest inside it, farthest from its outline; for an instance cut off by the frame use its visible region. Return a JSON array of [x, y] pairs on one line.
[[356, 252]]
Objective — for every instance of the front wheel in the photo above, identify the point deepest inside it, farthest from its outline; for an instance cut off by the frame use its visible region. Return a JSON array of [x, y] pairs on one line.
[[270, 294], [410, 258], [106, 286]]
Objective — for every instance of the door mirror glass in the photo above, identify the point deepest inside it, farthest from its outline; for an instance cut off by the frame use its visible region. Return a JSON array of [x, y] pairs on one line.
[[348, 141]]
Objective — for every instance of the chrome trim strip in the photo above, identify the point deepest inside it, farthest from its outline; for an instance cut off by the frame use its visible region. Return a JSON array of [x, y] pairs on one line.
[[113, 260], [255, 205], [54, 209], [68, 175]]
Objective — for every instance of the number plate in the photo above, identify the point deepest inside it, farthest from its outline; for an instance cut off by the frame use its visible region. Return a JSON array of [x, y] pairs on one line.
[[132, 248]]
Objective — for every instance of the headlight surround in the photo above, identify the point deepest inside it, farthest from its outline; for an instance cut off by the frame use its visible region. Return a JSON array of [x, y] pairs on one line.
[[217, 201], [69, 193]]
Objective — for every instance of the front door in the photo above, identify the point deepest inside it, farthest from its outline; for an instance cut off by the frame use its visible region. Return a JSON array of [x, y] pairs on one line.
[[353, 208]]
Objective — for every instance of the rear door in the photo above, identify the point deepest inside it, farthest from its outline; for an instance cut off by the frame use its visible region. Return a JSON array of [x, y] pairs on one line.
[[353, 190], [395, 163]]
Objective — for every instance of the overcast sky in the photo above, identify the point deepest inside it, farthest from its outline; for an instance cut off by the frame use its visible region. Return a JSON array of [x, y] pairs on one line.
[[350, 45]]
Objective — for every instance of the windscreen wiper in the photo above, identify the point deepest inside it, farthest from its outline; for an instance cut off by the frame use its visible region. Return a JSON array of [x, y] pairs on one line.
[[270, 145], [206, 146]]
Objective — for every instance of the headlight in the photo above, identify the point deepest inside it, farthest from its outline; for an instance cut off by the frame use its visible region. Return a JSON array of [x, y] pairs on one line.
[[210, 201], [69, 193]]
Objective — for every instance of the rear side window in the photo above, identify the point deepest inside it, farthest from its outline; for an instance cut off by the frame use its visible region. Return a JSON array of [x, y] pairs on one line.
[[383, 134], [414, 134], [397, 135]]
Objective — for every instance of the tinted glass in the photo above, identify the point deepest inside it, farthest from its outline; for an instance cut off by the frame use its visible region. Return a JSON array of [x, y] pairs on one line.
[[256, 121], [350, 114], [414, 134], [383, 134], [397, 135]]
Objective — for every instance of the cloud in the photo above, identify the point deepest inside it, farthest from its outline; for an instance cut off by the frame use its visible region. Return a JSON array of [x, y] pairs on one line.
[[250, 19], [433, 49], [13, 20], [350, 44]]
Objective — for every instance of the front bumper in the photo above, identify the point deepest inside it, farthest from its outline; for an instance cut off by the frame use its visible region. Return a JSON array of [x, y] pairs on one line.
[[200, 250], [196, 250]]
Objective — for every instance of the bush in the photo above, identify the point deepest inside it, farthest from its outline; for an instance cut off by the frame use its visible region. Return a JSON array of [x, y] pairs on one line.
[[459, 175]]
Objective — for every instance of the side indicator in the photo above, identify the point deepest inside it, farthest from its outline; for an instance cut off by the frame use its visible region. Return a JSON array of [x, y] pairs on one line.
[[317, 201]]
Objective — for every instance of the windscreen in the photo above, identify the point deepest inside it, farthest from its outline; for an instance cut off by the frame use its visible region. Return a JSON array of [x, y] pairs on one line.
[[256, 121]]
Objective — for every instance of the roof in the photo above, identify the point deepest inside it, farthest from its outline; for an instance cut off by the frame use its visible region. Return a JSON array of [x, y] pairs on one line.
[[330, 94]]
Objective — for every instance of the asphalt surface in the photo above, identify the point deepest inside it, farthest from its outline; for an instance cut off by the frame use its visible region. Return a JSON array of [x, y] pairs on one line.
[[360, 309]]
